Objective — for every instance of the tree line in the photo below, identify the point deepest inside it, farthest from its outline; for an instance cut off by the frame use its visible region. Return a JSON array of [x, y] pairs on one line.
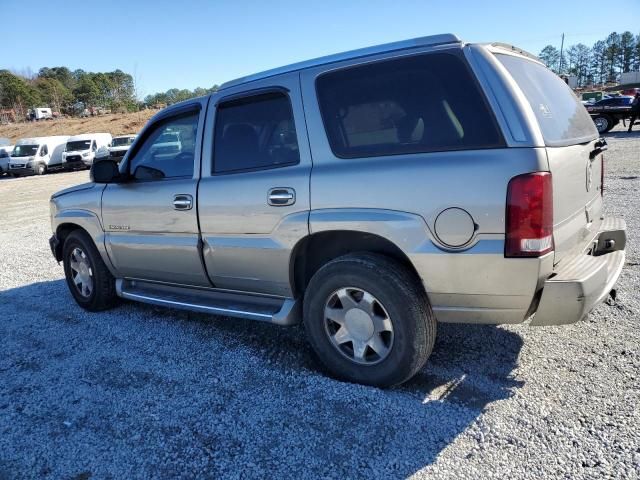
[[597, 65], [70, 92], [67, 91]]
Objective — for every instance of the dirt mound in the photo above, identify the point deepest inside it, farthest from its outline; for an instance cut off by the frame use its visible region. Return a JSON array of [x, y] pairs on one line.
[[115, 124]]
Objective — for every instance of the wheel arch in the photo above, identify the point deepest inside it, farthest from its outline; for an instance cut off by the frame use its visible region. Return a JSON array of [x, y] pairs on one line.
[[68, 221], [315, 250]]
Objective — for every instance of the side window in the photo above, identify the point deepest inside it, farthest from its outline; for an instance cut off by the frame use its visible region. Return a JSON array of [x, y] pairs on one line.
[[44, 150], [255, 132], [93, 146], [168, 150], [421, 103]]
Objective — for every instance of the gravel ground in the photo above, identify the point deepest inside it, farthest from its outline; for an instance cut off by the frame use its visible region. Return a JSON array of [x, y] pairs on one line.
[[142, 392]]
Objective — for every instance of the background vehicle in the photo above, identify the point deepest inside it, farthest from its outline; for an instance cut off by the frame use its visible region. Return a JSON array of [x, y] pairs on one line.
[[451, 182], [80, 150], [608, 112], [168, 145], [37, 155], [120, 145], [5, 152], [40, 114]]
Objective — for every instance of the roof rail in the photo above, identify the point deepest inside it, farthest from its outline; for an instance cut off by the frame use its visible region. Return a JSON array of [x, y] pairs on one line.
[[432, 40]]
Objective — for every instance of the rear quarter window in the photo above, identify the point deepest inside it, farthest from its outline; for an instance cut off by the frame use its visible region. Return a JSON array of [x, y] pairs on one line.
[[420, 103], [562, 118]]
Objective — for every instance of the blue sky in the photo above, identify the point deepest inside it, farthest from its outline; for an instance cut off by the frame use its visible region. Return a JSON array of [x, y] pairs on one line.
[[186, 44]]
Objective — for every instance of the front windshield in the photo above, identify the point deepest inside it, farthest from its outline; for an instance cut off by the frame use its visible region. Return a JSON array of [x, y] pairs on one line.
[[78, 145], [122, 141], [24, 150]]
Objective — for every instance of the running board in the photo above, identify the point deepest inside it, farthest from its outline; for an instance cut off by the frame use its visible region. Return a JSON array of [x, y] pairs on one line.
[[278, 310]]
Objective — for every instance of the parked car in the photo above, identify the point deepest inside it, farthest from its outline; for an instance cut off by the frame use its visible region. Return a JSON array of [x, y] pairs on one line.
[[37, 155], [120, 146], [81, 149], [608, 112], [451, 182], [5, 152]]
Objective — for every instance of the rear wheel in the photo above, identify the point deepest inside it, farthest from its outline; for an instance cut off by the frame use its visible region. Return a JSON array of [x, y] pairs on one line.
[[603, 123], [88, 279], [369, 320]]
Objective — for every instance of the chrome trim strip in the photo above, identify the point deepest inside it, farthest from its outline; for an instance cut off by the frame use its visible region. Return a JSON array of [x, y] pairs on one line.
[[196, 307]]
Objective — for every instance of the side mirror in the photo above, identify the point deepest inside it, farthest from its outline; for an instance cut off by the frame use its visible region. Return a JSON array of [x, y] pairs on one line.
[[105, 171]]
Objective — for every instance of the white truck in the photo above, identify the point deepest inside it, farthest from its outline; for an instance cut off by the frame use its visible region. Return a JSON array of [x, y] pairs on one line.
[[81, 149], [37, 155], [42, 113]]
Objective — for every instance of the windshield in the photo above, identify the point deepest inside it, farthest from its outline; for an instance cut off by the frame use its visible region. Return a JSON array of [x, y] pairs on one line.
[[24, 150], [122, 141], [78, 145], [168, 137], [562, 118]]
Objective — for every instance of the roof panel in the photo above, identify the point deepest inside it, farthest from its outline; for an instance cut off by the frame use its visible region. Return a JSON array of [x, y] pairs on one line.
[[431, 40]]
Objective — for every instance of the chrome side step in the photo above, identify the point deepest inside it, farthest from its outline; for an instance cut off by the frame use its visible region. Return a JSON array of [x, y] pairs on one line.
[[278, 310]]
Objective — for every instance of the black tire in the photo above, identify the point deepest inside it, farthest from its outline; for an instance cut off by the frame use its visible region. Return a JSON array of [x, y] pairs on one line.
[[603, 123], [103, 294], [399, 292], [41, 169]]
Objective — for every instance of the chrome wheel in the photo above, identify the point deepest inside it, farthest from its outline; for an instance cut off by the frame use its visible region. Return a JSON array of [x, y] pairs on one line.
[[601, 124], [81, 272], [358, 325]]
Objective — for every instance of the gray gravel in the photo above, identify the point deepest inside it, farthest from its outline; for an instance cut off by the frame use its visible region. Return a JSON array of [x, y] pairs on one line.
[[141, 392]]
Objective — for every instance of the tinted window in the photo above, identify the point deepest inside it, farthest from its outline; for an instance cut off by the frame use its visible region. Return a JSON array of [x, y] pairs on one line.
[[169, 150], [416, 104], [4, 154], [255, 132], [562, 117]]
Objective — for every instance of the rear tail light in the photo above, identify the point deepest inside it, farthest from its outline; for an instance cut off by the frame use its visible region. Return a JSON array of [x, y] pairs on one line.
[[529, 216], [602, 175]]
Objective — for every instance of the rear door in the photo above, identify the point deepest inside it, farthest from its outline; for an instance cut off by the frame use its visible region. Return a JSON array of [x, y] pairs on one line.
[[253, 198], [574, 160]]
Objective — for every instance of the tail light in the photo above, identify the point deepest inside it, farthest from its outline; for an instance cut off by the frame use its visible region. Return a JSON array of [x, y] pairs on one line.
[[602, 175], [529, 216]]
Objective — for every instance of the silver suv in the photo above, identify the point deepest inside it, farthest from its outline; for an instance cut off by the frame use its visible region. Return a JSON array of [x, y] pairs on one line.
[[369, 194]]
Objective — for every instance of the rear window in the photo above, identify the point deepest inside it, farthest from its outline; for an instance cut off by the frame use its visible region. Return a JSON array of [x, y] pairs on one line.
[[562, 118], [415, 104]]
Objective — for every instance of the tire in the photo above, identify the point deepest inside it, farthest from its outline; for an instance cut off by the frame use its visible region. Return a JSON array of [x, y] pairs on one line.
[[395, 293], [102, 294], [41, 169], [603, 123]]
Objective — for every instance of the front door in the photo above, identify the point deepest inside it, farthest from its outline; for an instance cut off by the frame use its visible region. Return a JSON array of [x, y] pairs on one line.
[[254, 192], [150, 221]]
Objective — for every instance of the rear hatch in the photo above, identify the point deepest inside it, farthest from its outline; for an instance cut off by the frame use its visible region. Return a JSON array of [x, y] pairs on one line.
[[571, 141]]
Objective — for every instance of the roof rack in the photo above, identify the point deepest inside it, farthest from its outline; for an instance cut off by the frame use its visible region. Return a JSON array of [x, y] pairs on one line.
[[432, 40]]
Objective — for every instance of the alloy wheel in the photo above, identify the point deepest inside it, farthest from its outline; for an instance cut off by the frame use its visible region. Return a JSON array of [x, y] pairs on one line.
[[81, 272], [358, 325]]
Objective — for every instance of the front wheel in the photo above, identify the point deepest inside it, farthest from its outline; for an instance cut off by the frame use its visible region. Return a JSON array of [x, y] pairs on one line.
[[368, 320], [41, 169], [88, 279]]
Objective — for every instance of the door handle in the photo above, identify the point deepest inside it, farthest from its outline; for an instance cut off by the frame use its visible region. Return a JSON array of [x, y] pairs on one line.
[[281, 197], [182, 202]]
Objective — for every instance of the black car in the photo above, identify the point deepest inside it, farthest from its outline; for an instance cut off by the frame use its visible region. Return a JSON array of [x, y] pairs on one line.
[[608, 112]]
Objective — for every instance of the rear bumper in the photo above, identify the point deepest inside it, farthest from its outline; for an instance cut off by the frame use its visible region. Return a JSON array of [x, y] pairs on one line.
[[582, 282]]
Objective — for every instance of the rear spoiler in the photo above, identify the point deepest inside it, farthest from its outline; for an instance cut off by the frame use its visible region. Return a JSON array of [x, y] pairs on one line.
[[519, 51]]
